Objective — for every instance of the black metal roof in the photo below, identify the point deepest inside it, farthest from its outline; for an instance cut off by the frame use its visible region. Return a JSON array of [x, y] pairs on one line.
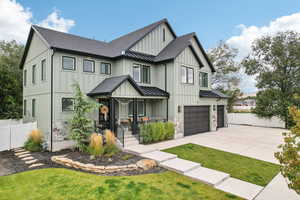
[[116, 48], [109, 85], [212, 94]]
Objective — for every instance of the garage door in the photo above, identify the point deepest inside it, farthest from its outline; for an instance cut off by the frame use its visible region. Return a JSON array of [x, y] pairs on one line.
[[196, 119], [220, 116]]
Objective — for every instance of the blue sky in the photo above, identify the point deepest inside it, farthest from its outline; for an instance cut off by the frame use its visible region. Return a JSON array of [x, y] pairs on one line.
[[237, 22], [212, 20]]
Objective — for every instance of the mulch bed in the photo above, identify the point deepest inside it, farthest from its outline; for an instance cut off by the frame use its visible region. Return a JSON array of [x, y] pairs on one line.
[[15, 165]]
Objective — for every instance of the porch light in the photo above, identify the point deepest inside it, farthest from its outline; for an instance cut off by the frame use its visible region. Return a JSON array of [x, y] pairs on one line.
[[179, 109], [214, 107]]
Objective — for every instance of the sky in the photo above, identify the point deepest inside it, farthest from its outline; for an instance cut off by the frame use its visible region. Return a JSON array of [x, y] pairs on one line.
[[236, 22]]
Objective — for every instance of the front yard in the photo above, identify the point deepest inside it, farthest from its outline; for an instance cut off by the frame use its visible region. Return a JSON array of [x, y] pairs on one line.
[[247, 169], [68, 184]]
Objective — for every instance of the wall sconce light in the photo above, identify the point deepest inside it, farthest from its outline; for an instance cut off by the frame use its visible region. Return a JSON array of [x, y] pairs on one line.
[[179, 109]]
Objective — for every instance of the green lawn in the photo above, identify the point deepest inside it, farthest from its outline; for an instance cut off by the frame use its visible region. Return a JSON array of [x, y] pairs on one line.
[[72, 185], [241, 167]]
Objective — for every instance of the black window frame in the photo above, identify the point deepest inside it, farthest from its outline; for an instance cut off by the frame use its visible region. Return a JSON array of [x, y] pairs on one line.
[[107, 70], [62, 105], [33, 74], [89, 60], [24, 107], [43, 70], [25, 78], [187, 75], [62, 63], [202, 79], [130, 111], [142, 78], [33, 108]]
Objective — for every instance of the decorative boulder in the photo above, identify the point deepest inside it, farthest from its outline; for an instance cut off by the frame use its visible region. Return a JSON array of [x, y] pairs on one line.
[[146, 164]]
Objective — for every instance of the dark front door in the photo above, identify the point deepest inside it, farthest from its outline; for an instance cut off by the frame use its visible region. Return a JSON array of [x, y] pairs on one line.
[[196, 119], [220, 119], [104, 121]]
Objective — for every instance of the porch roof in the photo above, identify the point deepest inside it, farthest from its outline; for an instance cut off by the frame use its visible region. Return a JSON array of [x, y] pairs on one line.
[[109, 85], [212, 94]]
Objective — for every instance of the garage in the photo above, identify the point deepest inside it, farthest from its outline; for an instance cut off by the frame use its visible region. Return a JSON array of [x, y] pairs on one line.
[[196, 119], [220, 119]]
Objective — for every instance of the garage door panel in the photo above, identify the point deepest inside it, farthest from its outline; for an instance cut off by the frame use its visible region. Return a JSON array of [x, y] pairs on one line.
[[196, 119]]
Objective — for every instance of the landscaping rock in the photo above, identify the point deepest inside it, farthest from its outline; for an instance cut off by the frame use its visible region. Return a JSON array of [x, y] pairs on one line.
[[146, 164]]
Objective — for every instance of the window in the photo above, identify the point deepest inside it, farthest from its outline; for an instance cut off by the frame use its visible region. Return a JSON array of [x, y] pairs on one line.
[[67, 104], [33, 73], [105, 68], [187, 75], [68, 63], [24, 107], [164, 35], [33, 107], [203, 79], [25, 77], [43, 70], [141, 73], [88, 66], [141, 108]]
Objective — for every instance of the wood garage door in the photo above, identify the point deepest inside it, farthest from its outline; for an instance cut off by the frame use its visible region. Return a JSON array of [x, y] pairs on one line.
[[196, 119], [220, 113]]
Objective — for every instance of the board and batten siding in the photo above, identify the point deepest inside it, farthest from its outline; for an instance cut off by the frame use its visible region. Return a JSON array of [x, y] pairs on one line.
[[126, 90], [40, 91], [153, 42]]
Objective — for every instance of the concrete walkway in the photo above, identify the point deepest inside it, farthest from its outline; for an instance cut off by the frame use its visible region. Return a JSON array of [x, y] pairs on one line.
[[256, 142]]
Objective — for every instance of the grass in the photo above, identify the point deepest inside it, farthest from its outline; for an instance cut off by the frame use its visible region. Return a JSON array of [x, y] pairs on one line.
[[64, 184], [248, 169]]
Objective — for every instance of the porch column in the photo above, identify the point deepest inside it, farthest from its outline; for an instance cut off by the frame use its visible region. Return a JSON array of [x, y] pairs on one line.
[[135, 118], [112, 114]]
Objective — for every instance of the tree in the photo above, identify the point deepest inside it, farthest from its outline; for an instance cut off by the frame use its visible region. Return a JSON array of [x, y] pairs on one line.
[[222, 58], [276, 62], [289, 157], [234, 95], [81, 124], [10, 80]]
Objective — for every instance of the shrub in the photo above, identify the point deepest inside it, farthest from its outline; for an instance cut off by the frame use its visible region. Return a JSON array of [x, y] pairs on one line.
[[96, 145], [34, 141], [110, 147], [157, 131]]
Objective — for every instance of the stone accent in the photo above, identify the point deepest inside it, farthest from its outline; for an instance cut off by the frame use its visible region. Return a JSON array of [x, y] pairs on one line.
[[36, 165], [21, 153], [28, 158], [31, 161], [24, 155], [142, 164]]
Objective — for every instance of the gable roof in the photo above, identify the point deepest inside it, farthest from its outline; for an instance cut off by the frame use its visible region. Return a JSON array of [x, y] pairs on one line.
[[109, 85], [116, 48]]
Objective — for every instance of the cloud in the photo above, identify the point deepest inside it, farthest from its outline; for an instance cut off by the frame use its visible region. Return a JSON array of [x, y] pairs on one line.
[[55, 22], [15, 21], [248, 34]]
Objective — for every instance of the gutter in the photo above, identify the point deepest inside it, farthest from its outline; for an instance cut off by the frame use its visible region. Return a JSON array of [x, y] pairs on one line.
[[51, 102]]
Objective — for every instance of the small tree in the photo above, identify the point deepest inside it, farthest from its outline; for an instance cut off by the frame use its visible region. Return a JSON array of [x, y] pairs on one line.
[[289, 157], [81, 124]]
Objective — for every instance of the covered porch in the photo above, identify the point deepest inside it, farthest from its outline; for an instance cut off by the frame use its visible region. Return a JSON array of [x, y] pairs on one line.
[[126, 105]]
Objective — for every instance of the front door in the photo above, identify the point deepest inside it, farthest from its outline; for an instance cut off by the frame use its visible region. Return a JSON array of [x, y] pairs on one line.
[[104, 119]]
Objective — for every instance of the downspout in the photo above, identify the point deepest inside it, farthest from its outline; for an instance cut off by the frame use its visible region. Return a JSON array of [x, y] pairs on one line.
[[166, 76], [51, 102]]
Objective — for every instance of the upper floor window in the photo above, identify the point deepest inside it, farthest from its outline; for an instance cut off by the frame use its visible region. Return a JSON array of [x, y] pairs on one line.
[[164, 35], [67, 104], [141, 73], [141, 108], [25, 77], [203, 79], [88, 65], [105, 68], [187, 75], [33, 107], [68, 63], [33, 73], [43, 70]]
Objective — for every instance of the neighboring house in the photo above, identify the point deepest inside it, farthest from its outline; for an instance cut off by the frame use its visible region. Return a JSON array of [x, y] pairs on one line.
[[245, 102], [150, 74]]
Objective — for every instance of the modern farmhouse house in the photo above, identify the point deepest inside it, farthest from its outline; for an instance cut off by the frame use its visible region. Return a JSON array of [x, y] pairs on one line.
[[150, 74]]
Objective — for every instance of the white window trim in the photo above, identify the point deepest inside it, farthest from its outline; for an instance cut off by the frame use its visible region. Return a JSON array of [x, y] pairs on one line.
[[89, 60], [74, 63]]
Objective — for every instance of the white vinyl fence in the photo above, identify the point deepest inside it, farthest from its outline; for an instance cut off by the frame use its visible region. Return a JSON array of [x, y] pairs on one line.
[[14, 135], [252, 120]]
